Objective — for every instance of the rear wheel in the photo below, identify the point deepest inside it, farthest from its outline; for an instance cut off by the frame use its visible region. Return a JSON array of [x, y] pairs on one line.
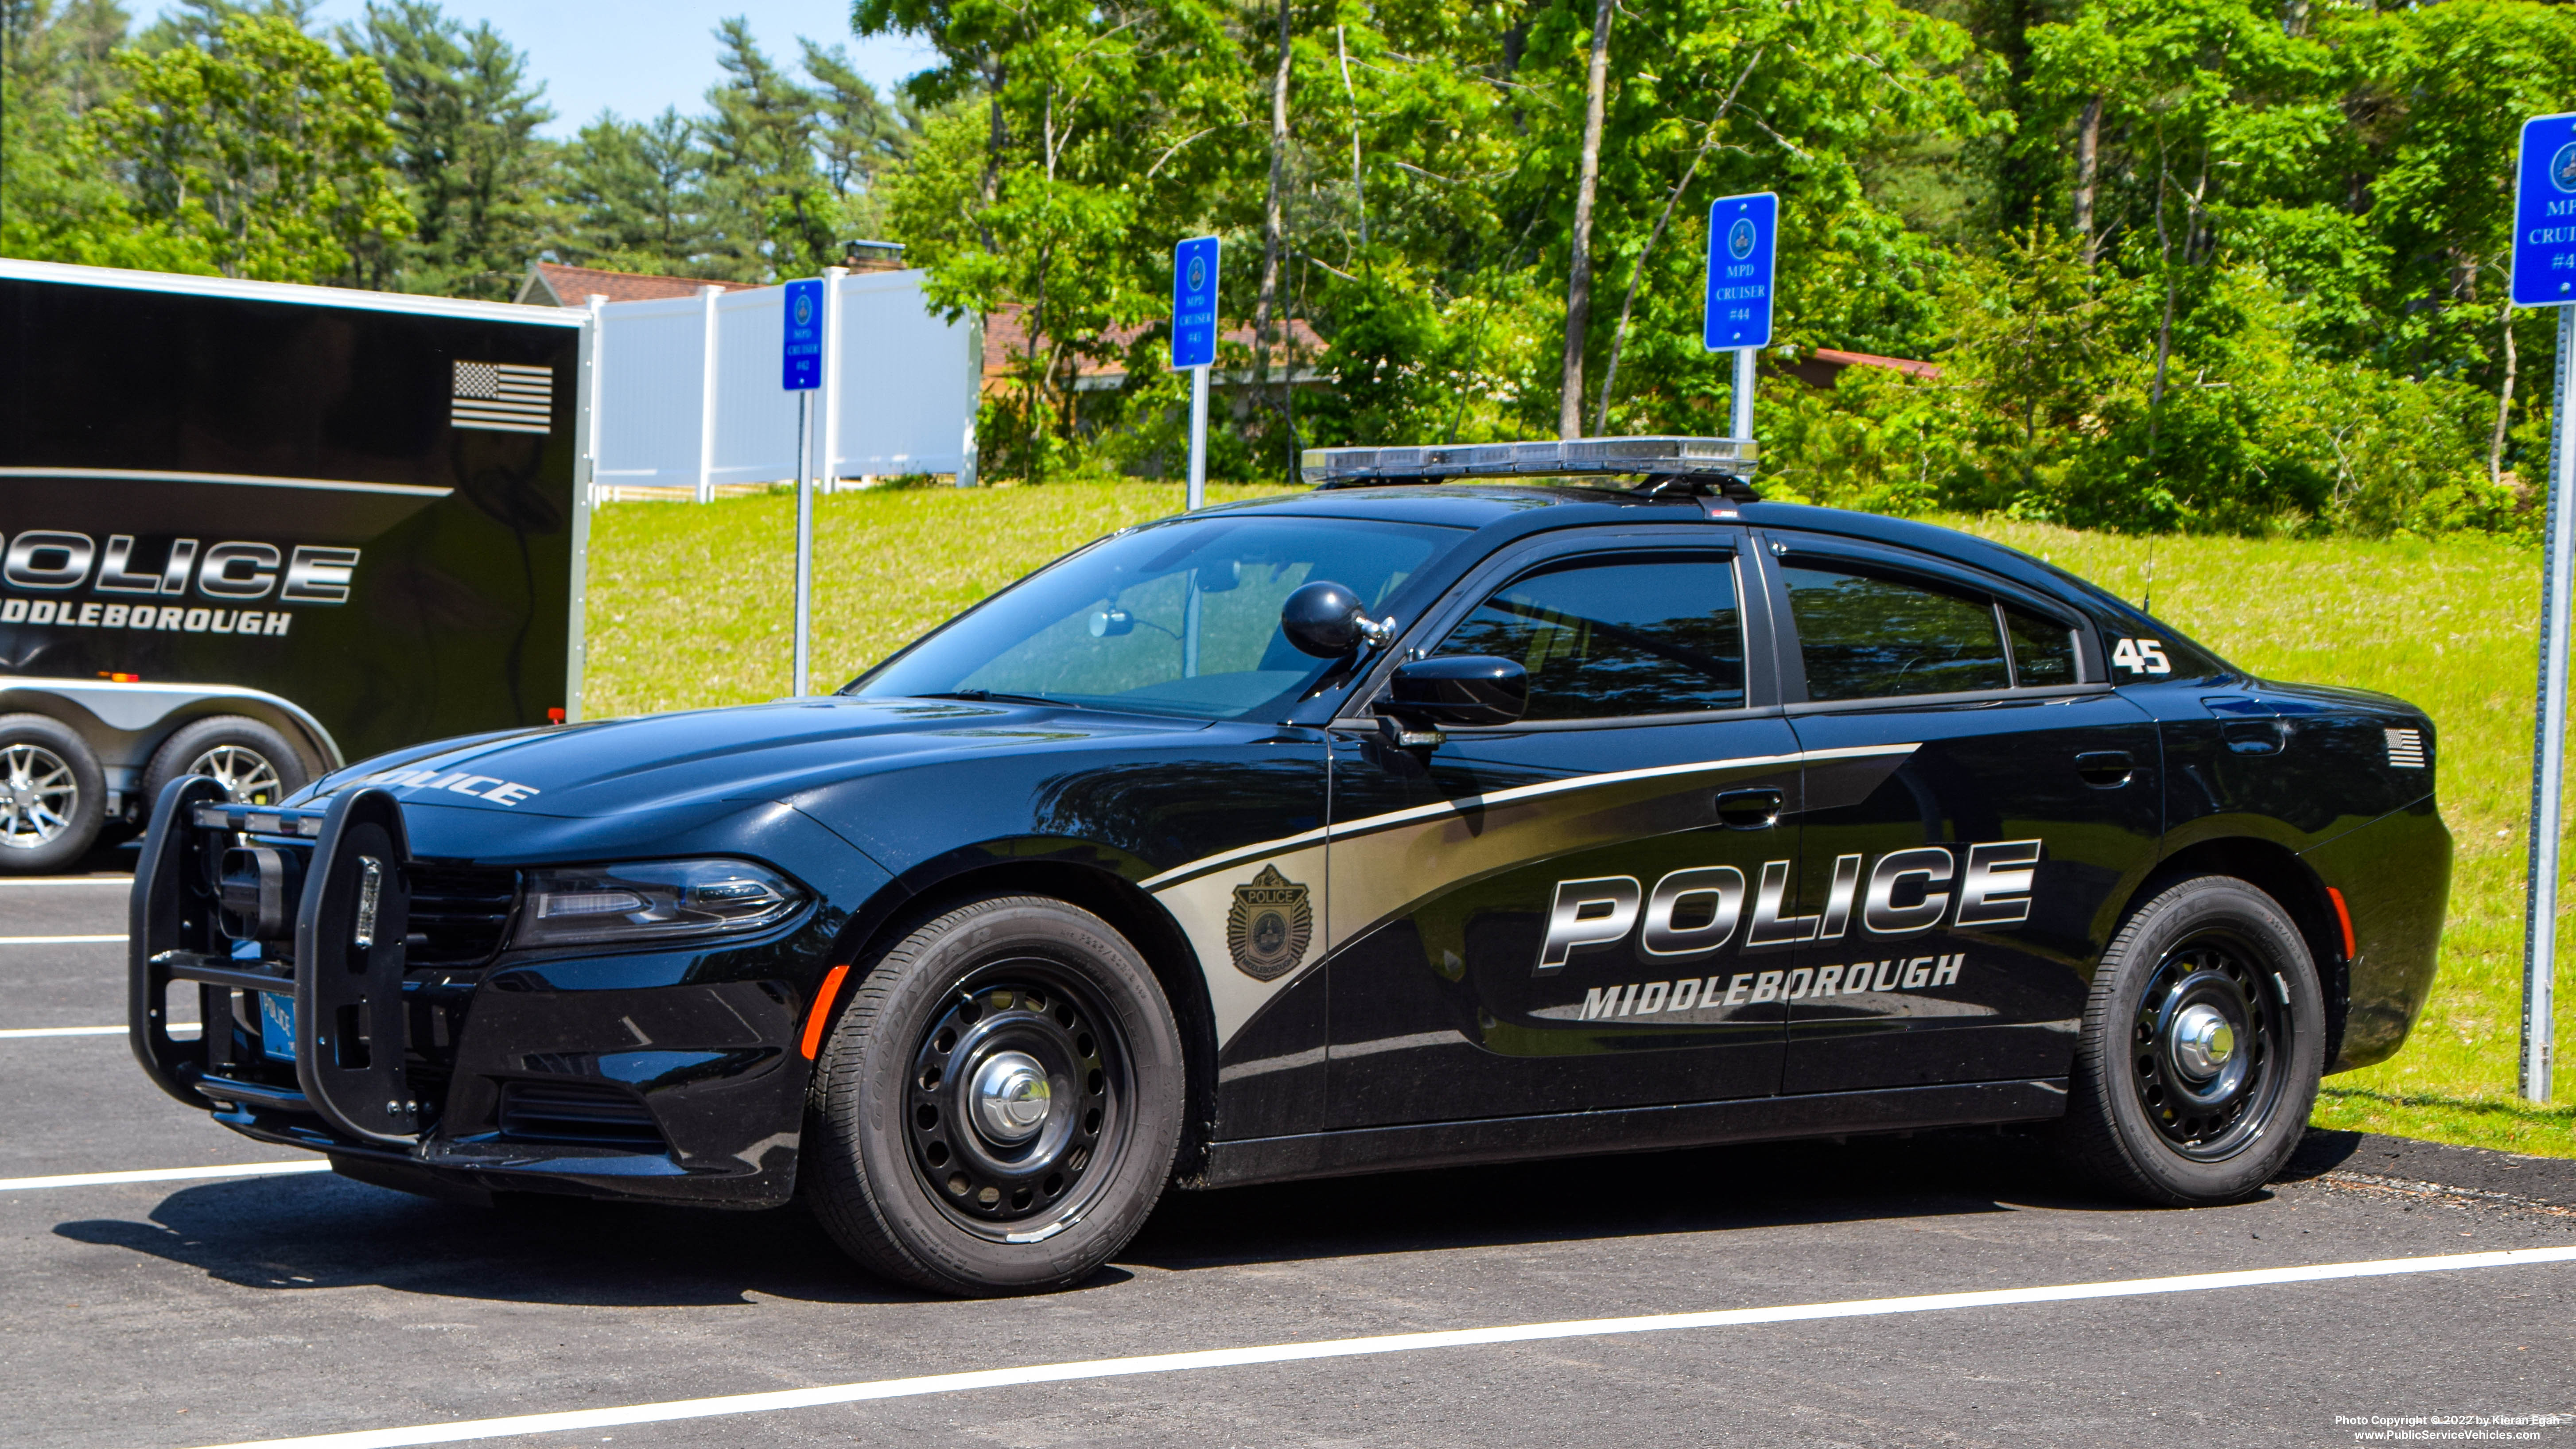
[[2203, 1044], [254, 764], [998, 1106], [53, 799]]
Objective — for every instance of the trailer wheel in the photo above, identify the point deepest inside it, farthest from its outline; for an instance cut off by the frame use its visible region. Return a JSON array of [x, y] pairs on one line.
[[254, 764], [53, 799]]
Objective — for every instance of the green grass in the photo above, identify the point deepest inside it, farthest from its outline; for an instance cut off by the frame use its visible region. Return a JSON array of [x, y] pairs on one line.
[[689, 606]]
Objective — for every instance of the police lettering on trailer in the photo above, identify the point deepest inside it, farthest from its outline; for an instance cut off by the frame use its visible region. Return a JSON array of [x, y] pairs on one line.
[[51, 562]]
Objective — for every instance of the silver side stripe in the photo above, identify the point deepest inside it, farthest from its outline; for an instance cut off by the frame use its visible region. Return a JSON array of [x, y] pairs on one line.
[[1517, 793], [244, 480]]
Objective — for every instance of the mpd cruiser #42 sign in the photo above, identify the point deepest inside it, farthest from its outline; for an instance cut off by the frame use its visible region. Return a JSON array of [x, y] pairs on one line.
[[1583, 802]]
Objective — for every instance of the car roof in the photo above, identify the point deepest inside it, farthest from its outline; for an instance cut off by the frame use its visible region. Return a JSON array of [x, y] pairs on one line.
[[1515, 508]]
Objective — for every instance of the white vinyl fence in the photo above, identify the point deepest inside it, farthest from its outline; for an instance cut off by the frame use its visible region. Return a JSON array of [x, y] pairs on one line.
[[689, 395]]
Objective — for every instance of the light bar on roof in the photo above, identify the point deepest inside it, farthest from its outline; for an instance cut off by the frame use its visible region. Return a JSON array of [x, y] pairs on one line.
[[1654, 457]]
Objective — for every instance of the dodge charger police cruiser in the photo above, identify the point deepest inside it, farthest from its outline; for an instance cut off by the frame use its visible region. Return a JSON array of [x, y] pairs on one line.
[[1481, 803]]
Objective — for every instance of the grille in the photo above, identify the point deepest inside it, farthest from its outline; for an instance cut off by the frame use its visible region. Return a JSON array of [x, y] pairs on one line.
[[576, 1112], [2405, 748], [458, 914]]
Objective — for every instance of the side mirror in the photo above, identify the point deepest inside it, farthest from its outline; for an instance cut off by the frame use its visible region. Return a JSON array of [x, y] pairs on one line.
[[1328, 621], [1458, 689]]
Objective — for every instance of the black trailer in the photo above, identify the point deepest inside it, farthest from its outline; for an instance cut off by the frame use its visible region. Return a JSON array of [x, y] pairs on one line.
[[253, 530]]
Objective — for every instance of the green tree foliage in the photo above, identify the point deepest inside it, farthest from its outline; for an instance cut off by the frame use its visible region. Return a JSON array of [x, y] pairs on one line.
[[2203, 264], [631, 196], [464, 120], [59, 195], [266, 148]]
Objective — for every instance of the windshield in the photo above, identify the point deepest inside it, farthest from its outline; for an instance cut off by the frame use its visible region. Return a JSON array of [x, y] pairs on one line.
[[1181, 618]]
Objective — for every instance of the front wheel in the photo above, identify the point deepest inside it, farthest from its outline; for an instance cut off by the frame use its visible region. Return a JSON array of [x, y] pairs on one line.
[[2203, 1043], [998, 1106]]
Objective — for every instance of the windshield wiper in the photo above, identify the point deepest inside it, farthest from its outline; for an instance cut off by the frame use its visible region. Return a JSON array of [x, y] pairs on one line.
[[987, 696]]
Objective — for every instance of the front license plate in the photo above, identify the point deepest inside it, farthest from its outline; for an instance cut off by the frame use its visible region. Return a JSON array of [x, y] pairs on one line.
[[276, 1026]]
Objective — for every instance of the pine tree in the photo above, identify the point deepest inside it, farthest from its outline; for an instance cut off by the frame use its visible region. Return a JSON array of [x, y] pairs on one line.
[[632, 197], [465, 120]]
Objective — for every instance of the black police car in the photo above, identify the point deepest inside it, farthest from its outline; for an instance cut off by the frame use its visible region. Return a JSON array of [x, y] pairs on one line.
[[1581, 803]]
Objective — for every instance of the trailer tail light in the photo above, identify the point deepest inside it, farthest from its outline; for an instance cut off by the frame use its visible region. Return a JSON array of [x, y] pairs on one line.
[[555, 715], [114, 677]]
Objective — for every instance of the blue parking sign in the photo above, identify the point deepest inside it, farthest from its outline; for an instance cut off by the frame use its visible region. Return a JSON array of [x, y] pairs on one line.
[[800, 348], [2544, 214], [1194, 303], [1742, 233]]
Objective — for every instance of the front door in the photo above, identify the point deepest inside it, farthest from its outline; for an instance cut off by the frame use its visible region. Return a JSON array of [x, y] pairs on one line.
[[1954, 904], [1562, 914]]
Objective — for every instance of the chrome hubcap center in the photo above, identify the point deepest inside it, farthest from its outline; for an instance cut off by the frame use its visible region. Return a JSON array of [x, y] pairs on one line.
[[2203, 1040], [1011, 1097]]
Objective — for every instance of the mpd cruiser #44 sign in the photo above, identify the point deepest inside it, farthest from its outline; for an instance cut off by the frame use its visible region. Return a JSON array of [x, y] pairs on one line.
[[1582, 802]]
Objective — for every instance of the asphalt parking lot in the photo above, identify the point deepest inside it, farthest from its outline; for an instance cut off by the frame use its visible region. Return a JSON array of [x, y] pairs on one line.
[[228, 1309]]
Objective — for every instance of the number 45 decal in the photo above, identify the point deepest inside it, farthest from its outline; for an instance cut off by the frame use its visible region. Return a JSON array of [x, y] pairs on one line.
[[2140, 656]]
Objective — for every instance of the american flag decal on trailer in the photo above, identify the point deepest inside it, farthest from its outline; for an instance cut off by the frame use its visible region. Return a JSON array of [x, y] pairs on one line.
[[503, 397]]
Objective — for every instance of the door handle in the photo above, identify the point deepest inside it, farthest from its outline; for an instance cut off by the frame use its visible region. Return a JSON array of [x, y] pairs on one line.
[[2253, 736], [1749, 809], [2105, 769]]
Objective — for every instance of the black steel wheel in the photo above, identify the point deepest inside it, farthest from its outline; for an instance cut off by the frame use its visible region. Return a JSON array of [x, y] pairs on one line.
[[2209, 1032], [1018, 1089], [997, 1108], [2202, 1046]]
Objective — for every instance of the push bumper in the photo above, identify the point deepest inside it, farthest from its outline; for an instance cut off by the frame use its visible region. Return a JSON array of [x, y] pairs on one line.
[[630, 1077]]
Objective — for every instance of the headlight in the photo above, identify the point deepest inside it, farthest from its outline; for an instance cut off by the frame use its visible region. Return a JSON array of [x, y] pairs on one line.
[[648, 901]]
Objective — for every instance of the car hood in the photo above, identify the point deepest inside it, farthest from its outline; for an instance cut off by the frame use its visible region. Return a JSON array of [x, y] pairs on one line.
[[710, 757]]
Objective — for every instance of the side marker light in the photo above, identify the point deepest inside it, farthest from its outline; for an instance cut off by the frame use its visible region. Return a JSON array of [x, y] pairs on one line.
[[2344, 916], [822, 1011]]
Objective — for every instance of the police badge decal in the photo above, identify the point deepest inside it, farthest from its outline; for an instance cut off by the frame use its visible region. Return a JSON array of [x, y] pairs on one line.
[[1269, 927]]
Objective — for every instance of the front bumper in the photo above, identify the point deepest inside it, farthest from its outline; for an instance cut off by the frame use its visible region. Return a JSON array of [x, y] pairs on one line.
[[671, 1076]]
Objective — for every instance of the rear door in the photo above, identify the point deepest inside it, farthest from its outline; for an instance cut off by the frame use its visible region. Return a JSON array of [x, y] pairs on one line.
[[1979, 800], [1555, 915]]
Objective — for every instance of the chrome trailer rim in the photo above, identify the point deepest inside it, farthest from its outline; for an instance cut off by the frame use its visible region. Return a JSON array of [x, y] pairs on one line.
[[39, 796], [246, 775]]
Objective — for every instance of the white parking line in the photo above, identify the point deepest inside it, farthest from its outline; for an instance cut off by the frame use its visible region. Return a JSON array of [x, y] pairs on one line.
[[60, 940], [1389, 1343], [121, 882], [179, 1031], [164, 1174]]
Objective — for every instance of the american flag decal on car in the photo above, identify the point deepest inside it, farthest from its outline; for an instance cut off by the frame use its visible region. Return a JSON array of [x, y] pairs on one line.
[[503, 397], [2405, 748]]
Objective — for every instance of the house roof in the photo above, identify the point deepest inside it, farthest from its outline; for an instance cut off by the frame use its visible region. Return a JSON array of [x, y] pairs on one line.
[[1822, 365], [1006, 340], [554, 284]]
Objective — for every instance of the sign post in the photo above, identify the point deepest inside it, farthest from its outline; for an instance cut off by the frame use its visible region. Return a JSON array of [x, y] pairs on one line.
[[1194, 343], [1743, 232], [2544, 275], [800, 366]]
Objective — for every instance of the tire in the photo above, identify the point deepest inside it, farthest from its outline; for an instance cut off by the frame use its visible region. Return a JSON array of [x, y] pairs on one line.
[[254, 764], [2180, 1117], [920, 1158], [53, 798]]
